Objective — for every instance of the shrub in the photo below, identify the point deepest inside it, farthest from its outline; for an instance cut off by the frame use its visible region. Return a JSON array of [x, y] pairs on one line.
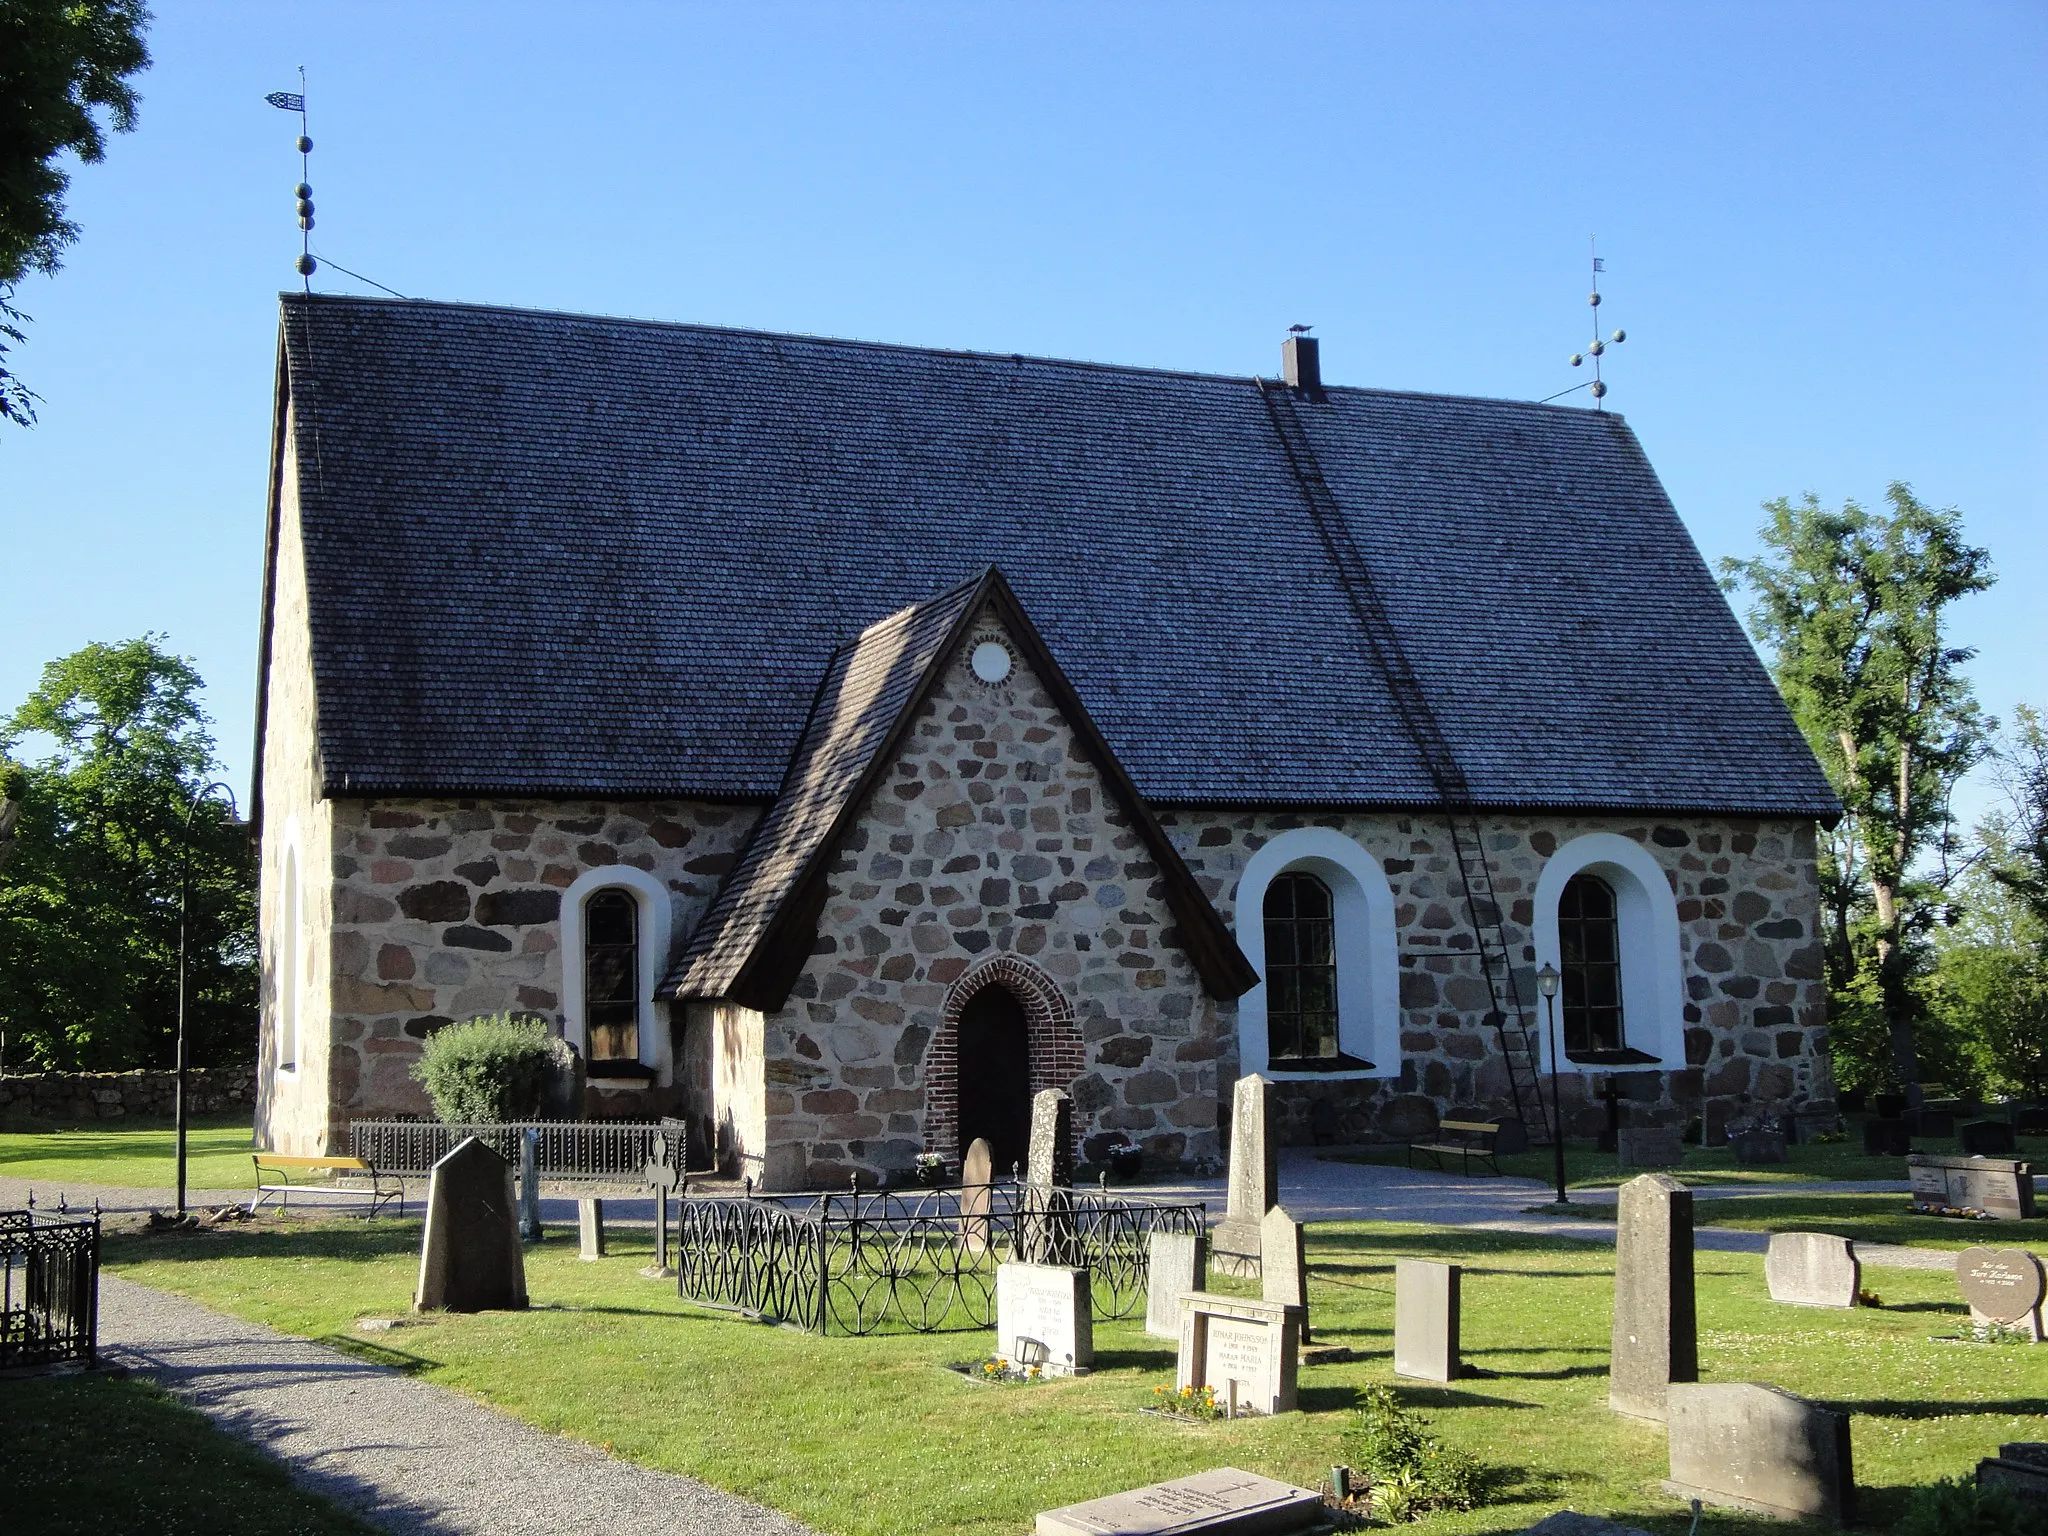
[[1410, 1473], [1961, 1508], [488, 1070]]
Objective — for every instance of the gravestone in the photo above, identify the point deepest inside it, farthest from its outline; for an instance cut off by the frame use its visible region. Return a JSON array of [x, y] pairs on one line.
[[1655, 1341], [1045, 1317], [1048, 1226], [2022, 1467], [2003, 1285], [1283, 1263], [529, 1186], [1812, 1269], [470, 1258], [1886, 1137], [1985, 1137], [1177, 1262], [1753, 1147], [589, 1229], [2001, 1188], [1649, 1146], [1254, 1178], [1225, 1502], [1747, 1446], [1426, 1298], [976, 1175], [1249, 1351]]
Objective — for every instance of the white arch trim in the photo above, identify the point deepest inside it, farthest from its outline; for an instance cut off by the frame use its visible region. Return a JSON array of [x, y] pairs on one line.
[[1368, 968], [1652, 978], [654, 941], [287, 958]]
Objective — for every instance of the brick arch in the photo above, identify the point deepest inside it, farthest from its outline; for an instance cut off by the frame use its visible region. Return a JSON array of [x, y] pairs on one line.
[[1058, 1054]]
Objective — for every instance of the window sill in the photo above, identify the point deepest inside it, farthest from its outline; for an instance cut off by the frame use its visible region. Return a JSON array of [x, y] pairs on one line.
[[1275, 1074], [621, 1071]]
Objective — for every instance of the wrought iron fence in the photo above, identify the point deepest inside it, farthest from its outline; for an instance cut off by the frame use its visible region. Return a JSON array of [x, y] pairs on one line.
[[581, 1151], [919, 1261], [49, 1289]]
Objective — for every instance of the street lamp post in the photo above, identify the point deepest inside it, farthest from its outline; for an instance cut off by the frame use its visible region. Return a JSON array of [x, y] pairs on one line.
[[1546, 983], [184, 915]]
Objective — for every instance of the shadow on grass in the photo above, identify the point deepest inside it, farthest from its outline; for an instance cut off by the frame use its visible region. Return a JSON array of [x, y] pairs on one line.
[[1161, 1358], [358, 1241], [1895, 1408], [1330, 1399], [377, 1354]]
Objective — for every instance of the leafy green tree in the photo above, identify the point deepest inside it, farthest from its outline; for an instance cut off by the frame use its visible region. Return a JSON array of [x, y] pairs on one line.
[[62, 63], [1852, 607], [89, 897]]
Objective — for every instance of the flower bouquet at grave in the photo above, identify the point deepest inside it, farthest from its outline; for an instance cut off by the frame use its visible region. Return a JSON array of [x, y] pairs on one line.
[[931, 1169], [1001, 1371]]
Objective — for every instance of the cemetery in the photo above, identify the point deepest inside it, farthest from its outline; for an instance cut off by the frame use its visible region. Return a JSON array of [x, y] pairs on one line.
[[1549, 1373]]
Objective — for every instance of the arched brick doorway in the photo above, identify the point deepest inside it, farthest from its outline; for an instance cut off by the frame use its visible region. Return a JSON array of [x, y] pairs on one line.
[[1052, 1047]]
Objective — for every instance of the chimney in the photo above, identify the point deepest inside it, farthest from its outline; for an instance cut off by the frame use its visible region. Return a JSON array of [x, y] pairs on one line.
[[1300, 363]]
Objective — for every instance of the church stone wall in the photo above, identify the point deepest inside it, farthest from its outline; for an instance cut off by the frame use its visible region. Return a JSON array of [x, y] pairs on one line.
[[992, 835], [1748, 904], [445, 909]]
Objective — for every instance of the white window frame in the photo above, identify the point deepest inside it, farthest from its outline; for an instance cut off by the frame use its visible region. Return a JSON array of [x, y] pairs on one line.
[[1368, 960], [653, 901], [286, 957], [1652, 961]]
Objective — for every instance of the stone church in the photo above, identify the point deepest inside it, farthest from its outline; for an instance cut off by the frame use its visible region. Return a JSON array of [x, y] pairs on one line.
[[838, 742]]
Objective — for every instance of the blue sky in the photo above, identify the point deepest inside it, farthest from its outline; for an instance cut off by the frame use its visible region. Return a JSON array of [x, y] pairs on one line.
[[1823, 226]]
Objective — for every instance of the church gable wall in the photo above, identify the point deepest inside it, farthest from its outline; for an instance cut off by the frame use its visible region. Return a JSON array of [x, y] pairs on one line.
[[991, 838], [1746, 894], [445, 909]]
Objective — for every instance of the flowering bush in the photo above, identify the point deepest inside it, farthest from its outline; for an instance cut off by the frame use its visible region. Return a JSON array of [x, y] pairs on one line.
[[1002, 1369]]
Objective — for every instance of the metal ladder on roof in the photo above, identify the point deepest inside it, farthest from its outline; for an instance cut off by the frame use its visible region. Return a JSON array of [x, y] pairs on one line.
[[1509, 1018]]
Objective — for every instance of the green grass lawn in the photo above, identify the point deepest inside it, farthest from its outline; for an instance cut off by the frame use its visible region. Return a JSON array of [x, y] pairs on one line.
[[129, 1154], [1587, 1169], [98, 1454], [862, 1436]]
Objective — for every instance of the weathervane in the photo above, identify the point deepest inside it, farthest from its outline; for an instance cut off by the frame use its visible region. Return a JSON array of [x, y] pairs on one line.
[[1596, 347], [295, 101]]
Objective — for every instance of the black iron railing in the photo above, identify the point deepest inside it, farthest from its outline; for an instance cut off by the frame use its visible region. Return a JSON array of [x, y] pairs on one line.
[[581, 1151], [912, 1261], [49, 1289]]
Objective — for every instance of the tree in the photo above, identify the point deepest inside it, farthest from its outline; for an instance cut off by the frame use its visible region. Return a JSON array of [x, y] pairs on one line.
[[89, 899], [62, 62], [1851, 605]]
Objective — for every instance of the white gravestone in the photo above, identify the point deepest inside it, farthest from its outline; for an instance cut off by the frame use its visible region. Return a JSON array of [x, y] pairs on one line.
[[1225, 1502], [1177, 1262], [1426, 1297], [1234, 1247], [1044, 1317], [1248, 1351], [1812, 1269], [590, 1229]]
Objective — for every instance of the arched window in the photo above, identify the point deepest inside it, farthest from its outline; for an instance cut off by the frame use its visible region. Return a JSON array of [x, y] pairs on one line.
[[1301, 970], [288, 967], [611, 972], [1589, 955]]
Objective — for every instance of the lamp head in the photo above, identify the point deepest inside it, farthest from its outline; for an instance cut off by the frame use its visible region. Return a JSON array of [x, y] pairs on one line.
[[1547, 980]]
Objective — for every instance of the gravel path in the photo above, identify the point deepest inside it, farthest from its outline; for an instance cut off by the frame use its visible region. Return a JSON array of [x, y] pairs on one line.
[[403, 1455]]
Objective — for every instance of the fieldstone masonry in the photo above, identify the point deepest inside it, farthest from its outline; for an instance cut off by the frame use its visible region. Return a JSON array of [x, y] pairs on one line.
[[1748, 908]]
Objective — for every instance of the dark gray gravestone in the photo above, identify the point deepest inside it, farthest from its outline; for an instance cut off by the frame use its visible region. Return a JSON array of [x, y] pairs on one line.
[[2001, 1188], [1812, 1269], [1746, 1446], [529, 1186], [1650, 1146], [1177, 1262], [1884, 1137], [1985, 1137], [2022, 1467], [590, 1229], [1426, 1299], [1254, 1178], [2003, 1285], [1225, 1502], [976, 1175], [1048, 1236], [470, 1258], [1283, 1263], [1655, 1338]]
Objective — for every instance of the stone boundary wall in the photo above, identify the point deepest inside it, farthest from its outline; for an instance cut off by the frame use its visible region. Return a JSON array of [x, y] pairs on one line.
[[150, 1094]]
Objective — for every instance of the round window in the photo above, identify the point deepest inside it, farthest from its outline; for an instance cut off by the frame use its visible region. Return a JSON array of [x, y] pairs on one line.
[[990, 661]]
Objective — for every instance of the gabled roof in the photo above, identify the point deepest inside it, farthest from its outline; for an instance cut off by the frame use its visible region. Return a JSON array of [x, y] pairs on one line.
[[753, 941], [564, 555]]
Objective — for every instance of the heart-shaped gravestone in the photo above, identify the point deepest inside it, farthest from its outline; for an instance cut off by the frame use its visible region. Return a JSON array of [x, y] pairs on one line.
[[2003, 1284]]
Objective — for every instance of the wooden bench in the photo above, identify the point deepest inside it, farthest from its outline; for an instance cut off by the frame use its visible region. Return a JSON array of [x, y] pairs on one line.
[[1467, 1138], [306, 1177]]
